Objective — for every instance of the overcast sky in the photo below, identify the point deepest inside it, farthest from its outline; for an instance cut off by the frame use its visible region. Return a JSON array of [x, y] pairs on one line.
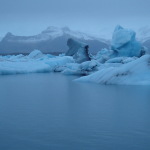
[[29, 17]]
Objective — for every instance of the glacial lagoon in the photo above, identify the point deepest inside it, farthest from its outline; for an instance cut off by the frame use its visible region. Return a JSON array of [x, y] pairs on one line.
[[50, 111]]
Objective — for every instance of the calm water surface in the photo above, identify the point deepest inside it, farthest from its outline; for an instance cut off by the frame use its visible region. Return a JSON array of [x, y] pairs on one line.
[[52, 112]]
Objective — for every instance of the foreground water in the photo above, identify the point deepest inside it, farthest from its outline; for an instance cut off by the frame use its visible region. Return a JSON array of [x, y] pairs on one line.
[[52, 112]]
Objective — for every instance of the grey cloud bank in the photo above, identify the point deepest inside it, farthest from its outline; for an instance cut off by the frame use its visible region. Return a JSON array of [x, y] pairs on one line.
[[99, 17]]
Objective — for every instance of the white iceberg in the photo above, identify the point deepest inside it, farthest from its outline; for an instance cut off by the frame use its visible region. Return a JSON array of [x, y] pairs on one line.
[[35, 62], [136, 72], [35, 54], [122, 60], [84, 68], [103, 55]]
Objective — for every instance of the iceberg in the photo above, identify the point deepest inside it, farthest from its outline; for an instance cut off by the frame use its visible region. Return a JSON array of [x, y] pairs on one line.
[[78, 50], [35, 54], [122, 60], [35, 62], [127, 62], [136, 72], [103, 55], [124, 43], [84, 68]]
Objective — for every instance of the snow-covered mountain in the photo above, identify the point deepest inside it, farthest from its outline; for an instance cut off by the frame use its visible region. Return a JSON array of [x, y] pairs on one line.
[[53, 39]]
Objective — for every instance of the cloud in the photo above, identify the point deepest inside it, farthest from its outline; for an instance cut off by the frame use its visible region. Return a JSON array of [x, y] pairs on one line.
[[88, 15]]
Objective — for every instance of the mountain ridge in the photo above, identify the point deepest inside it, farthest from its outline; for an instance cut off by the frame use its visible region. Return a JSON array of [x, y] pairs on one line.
[[48, 41]]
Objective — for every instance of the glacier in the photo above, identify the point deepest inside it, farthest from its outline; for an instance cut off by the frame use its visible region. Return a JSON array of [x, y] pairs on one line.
[[126, 62]]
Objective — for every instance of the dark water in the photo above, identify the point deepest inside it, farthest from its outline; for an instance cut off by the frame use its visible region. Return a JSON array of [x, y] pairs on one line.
[[51, 112]]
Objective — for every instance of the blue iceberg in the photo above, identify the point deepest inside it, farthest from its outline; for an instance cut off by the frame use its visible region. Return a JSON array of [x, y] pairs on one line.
[[124, 43], [78, 50]]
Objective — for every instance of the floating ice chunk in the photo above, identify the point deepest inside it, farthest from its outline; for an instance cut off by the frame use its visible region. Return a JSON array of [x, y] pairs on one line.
[[116, 60], [35, 54], [78, 50], [73, 69], [46, 57], [133, 73], [104, 52], [84, 68], [75, 72], [12, 57], [122, 60], [104, 55], [9, 68], [129, 59], [89, 65], [145, 50], [124, 43], [23, 64], [59, 61]]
